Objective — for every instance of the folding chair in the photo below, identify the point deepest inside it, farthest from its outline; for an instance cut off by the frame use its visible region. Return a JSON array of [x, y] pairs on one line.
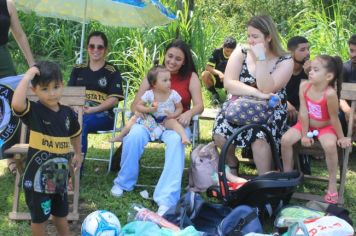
[[348, 92], [119, 109]]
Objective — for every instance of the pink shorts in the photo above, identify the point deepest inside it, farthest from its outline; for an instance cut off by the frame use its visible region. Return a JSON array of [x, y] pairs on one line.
[[325, 130]]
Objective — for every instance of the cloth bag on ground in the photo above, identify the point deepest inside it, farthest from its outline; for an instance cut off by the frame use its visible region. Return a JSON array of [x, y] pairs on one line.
[[245, 110], [290, 215], [331, 209], [324, 226], [147, 228], [204, 161], [213, 219]]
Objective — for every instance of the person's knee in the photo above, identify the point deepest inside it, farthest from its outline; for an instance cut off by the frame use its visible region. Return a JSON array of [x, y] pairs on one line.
[[330, 148], [206, 77], [286, 141], [173, 138], [136, 132]]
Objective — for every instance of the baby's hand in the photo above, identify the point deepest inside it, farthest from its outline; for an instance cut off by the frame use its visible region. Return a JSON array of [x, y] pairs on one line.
[[307, 142], [344, 142]]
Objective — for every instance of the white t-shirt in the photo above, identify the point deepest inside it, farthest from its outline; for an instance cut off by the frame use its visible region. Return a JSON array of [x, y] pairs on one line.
[[168, 105]]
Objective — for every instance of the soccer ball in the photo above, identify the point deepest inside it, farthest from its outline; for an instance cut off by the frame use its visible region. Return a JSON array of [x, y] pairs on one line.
[[101, 223]]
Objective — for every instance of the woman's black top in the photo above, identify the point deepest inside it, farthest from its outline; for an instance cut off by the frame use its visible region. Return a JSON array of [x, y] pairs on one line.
[[4, 23]]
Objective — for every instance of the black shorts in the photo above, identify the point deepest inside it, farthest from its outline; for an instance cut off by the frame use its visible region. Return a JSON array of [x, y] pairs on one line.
[[218, 83], [42, 205]]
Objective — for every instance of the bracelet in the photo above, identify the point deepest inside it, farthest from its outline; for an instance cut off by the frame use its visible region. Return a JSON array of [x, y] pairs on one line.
[[261, 57]]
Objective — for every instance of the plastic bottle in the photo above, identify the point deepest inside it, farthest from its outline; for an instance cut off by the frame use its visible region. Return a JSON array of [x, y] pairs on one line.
[[273, 101], [138, 212]]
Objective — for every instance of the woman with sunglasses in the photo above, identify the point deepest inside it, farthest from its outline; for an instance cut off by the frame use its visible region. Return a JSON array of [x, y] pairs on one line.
[[179, 62], [103, 84]]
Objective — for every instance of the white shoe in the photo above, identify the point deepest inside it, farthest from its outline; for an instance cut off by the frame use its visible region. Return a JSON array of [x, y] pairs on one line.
[[162, 209], [116, 191]]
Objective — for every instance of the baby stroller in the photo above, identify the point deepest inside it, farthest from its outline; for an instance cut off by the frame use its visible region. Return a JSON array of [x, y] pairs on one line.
[[273, 188], [242, 208]]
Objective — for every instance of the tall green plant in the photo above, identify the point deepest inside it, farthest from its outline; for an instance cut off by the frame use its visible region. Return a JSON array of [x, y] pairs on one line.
[[326, 35]]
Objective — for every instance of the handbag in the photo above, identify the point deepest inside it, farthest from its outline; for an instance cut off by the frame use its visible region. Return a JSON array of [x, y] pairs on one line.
[[245, 110], [204, 161]]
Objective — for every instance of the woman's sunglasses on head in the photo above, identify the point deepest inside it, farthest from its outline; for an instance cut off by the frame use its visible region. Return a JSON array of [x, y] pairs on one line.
[[98, 47]]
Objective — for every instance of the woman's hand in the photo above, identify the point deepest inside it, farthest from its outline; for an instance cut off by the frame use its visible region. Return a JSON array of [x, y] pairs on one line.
[[259, 51], [264, 95], [89, 110], [185, 118], [344, 142]]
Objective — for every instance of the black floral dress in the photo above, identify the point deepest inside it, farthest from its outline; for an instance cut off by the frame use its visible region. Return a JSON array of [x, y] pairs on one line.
[[279, 122]]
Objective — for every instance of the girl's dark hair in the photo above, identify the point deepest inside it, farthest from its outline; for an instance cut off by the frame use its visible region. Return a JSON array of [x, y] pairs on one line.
[[188, 66], [49, 71], [334, 66], [98, 34], [153, 73]]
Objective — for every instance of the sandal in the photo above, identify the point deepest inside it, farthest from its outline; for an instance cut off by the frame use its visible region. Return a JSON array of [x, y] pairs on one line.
[[331, 198], [12, 167]]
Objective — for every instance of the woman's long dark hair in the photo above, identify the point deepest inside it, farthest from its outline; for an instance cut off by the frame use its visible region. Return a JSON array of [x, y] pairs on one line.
[[188, 67]]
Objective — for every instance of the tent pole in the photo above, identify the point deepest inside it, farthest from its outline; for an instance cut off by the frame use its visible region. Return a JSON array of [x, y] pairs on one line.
[[80, 59]]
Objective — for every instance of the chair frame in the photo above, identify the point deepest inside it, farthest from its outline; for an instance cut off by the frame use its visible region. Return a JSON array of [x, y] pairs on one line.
[[119, 109], [348, 92]]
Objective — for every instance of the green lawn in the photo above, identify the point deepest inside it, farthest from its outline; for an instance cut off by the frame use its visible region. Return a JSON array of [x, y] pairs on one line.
[[95, 185]]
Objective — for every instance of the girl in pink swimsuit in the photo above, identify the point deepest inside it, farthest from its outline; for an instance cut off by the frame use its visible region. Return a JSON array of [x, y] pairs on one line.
[[319, 106]]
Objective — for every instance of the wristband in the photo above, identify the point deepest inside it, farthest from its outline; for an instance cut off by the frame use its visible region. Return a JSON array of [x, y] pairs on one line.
[[261, 57]]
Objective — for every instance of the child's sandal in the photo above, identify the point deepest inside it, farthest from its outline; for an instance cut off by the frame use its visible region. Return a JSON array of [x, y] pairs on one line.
[[331, 198]]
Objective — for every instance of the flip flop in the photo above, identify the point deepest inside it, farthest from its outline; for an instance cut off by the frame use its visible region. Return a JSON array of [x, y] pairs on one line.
[[12, 167], [331, 198]]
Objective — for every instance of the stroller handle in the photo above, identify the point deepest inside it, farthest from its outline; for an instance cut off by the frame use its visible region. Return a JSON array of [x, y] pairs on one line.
[[224, 189]]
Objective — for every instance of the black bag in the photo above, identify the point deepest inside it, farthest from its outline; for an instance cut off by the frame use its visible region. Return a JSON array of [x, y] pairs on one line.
[[213, 219]]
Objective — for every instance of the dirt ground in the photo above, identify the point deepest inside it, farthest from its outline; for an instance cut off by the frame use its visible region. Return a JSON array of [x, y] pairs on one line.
[[74, 227]]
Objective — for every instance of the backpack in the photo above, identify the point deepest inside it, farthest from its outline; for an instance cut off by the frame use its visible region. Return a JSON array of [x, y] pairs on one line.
[[213, 219], [204, 161]]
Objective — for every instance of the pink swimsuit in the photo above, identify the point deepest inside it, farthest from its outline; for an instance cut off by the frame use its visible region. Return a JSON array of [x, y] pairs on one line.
[[317, 110]]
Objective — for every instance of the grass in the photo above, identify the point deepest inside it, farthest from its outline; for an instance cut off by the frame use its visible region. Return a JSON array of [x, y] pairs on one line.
[[95, 185]]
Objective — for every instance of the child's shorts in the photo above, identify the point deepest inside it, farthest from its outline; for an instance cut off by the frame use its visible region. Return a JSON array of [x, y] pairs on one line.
[[329, 129], [42, 205]]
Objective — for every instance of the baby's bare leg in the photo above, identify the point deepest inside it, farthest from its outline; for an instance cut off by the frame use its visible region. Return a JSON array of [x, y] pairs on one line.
[[174, 125], [125, 130]]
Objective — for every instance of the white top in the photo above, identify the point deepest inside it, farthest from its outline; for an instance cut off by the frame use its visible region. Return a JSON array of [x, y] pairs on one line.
[[168, 105]]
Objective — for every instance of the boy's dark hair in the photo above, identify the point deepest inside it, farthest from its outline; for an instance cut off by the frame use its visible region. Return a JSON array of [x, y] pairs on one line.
[[333, 65], [49, 71], [98, 34], [229, 42], [295, 41], [352, 40], [153, 73]]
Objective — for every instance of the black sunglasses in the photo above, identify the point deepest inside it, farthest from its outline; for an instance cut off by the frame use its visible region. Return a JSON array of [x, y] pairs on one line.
[[93, 46]]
